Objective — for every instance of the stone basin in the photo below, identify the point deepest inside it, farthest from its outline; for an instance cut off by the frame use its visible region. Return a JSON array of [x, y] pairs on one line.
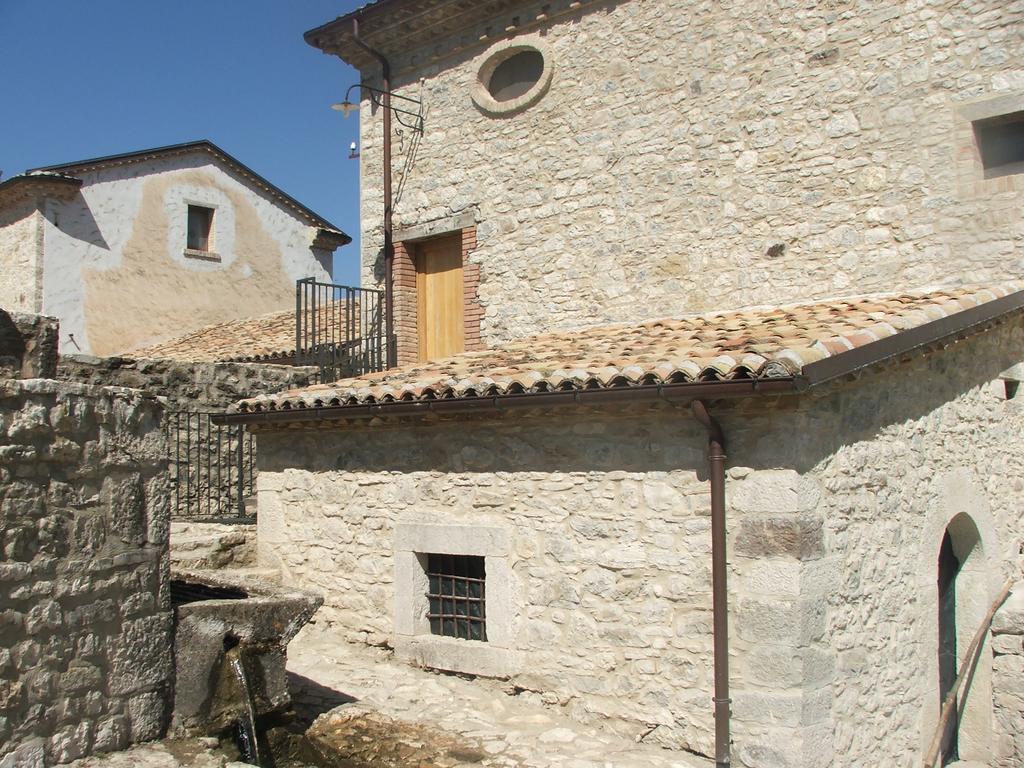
[[215, 612]]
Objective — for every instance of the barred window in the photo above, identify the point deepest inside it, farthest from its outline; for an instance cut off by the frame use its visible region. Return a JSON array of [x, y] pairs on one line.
[[456, 596]]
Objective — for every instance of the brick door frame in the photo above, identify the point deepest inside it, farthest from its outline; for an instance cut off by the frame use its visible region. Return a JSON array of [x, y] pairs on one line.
[[406, 310]]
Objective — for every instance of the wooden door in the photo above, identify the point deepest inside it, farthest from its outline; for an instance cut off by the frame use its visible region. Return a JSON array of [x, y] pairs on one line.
[[440, 299]]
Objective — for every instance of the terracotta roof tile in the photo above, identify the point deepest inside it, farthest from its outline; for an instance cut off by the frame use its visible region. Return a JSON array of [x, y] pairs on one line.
[[758, 342], [252, 339]]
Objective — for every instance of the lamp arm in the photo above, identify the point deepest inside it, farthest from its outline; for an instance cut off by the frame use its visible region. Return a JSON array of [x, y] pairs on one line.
[[393, 95], [398, 111]]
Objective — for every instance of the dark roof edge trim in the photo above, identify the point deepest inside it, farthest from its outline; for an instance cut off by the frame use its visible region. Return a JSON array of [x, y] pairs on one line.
[[203, 145], [671, 393], [957, 325], [129, 156]]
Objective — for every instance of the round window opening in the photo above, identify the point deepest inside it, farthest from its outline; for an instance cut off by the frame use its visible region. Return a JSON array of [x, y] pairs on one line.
[[516, 75]]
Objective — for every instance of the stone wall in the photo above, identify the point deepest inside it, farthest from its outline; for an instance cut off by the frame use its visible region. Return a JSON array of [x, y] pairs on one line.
[[596, 525], [211, 467], [187, 386], [929, 444], [727, 154], [21, 244], [28, 346], [1008, 678], [212, 546], [604, 615], [85, 620]]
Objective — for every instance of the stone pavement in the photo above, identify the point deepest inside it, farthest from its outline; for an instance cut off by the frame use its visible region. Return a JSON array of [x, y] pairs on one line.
[[508, 731]]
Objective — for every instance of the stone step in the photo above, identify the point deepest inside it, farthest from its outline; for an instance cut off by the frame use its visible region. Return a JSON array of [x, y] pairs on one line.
[[200, 560], [212, 545], [183, 543]]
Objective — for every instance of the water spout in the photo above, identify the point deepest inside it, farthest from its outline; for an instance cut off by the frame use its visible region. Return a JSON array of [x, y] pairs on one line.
[[248, 742]]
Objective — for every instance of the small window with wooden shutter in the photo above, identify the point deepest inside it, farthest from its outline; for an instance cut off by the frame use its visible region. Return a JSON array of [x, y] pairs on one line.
[[200, 229]]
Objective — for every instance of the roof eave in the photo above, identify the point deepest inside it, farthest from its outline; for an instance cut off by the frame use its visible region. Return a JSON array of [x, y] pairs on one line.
[[80, 165], [202, 145], [41, 185], [953, 327], [628, 395], [392, 27], [330, 239], [947, 329]]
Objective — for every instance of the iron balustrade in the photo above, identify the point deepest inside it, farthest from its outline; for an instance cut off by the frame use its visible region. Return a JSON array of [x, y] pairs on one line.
[[339, 329], [212, 467]]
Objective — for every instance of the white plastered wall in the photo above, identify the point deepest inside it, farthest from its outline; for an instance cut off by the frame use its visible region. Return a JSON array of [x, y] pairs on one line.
[[115, 268]]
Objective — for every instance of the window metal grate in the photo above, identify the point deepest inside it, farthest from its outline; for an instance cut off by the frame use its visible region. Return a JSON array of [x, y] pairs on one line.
[[456, 596]]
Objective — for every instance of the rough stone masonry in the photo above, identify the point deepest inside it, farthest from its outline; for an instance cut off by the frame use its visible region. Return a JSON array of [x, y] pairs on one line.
[[694, 156], [85, 620], [185, 385], [594, 530]]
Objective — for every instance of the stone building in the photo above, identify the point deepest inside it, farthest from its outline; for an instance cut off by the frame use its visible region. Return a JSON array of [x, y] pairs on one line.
[[133, 249], [561, 480], [538, 492], [85, 617], [650, 159]]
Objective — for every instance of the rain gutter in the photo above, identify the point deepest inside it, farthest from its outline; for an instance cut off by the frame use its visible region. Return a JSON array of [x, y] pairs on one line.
[[671, 393], [719, 579], [958, 325], [389, 203]]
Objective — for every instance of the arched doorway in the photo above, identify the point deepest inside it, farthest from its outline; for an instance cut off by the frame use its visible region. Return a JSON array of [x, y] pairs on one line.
[[962, 581], [949, 567]]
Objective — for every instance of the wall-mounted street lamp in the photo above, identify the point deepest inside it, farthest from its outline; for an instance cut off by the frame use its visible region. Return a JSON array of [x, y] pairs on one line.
[[346, 107], [415, 119]]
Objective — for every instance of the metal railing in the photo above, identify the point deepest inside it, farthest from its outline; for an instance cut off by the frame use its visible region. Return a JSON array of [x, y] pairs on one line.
[[339, 329], [212, 467]]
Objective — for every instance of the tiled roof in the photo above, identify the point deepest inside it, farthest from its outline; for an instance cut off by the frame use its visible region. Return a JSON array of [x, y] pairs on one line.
[[254, 339], [759, 342]]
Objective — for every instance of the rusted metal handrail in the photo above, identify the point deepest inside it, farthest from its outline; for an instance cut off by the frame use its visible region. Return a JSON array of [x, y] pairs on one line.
[[969, 660]]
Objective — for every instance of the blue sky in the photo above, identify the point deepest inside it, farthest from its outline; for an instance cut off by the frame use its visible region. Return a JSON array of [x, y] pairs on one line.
[[88, 78]]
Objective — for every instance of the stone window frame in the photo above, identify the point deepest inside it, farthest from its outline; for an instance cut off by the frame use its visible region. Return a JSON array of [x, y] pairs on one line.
[[406, 315], [970, 171], [496, 55], [413, 640]]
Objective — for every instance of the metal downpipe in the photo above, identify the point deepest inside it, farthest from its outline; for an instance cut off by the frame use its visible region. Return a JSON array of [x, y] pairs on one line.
[[389, 246], [719, 583]]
